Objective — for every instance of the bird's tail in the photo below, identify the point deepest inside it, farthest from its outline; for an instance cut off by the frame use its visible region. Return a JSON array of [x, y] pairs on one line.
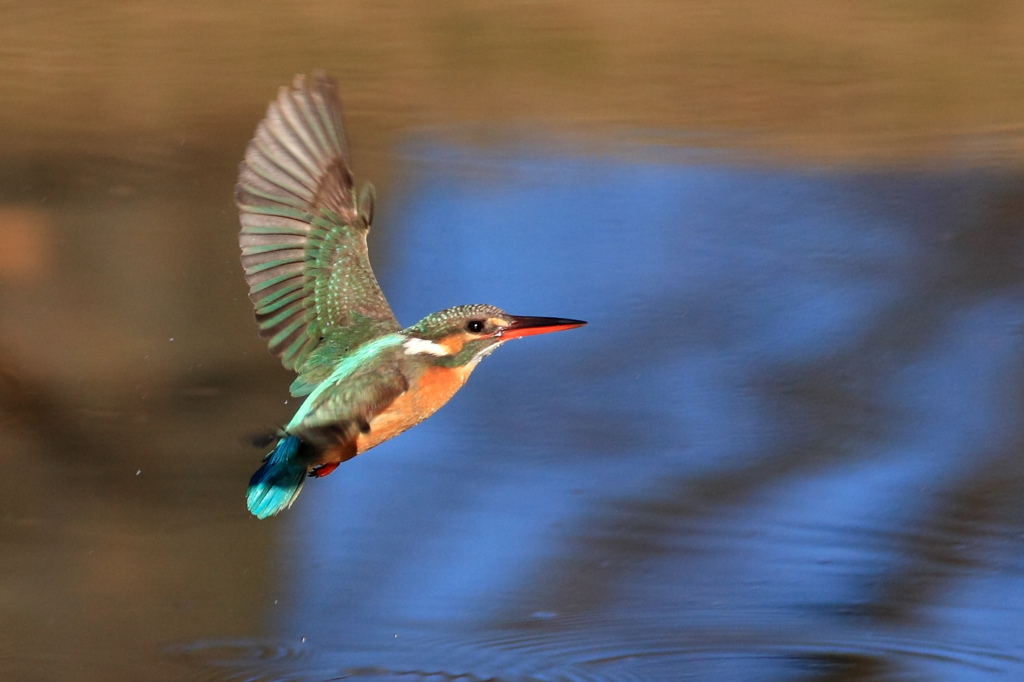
[[277, 483]]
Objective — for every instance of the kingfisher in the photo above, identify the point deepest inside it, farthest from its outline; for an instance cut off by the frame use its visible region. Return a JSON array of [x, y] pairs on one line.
[[364, 377]]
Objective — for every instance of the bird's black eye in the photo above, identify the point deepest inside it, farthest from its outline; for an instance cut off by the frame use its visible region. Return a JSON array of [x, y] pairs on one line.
[[475, 326]]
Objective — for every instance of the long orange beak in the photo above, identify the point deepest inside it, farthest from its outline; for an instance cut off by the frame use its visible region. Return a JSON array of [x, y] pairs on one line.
[[530, 326]]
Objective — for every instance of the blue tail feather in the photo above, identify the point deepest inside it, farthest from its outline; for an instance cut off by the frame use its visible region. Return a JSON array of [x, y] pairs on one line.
[[277, 483]]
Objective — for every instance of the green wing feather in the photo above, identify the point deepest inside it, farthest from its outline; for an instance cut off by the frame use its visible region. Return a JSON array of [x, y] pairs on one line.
[[303, 234], [367, 387]]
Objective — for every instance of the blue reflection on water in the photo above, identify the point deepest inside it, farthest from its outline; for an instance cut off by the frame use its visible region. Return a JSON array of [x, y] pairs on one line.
[[775, 439]]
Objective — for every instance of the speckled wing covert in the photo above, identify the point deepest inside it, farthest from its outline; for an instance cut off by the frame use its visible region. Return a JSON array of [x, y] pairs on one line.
[[340, 414], [303, 234]]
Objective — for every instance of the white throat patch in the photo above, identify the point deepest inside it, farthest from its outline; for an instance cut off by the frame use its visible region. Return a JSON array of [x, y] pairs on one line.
[[416, 346], [482, 354]]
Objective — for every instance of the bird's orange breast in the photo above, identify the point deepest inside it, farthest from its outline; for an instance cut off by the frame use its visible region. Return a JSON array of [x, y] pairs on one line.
[[434, 387]]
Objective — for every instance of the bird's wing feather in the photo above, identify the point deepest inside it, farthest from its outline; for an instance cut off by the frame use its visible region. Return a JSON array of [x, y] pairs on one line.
[[341, 413], [303, 234]]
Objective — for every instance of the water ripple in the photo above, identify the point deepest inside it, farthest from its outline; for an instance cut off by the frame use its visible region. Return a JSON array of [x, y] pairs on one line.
[[583, 655]]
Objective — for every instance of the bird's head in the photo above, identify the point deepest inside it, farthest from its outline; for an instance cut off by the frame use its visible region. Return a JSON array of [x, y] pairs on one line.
[[461, 336]]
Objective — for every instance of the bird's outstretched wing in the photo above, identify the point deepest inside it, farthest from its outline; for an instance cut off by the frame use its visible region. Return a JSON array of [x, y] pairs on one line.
[[303, 234]]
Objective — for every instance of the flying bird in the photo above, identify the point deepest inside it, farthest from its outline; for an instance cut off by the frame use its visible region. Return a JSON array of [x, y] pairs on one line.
[[365, 378]]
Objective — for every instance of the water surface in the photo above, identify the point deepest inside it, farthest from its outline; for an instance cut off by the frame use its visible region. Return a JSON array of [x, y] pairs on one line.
[[786, 447]]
